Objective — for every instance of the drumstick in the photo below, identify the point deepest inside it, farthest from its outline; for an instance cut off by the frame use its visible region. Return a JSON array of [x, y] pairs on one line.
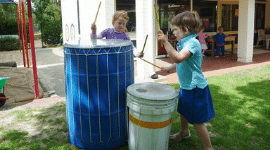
[[157, 20], [97, 12], [157, 17], [142, 53], [150, 63], [144, 43]]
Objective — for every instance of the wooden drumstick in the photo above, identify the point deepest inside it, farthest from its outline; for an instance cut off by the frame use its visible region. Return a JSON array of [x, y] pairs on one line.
[[144, 43], [143, 51], [157, 20], [97, 12], [157, 17], [150, 63]]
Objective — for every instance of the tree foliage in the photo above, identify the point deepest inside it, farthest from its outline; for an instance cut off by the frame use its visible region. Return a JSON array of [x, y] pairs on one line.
[[8, 17], [48, 16]]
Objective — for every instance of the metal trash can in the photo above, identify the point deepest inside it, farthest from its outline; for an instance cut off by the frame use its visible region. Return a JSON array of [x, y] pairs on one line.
[[150, 109], [97, 75]]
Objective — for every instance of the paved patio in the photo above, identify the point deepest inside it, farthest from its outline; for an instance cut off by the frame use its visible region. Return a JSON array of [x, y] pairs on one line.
[[217, 66]]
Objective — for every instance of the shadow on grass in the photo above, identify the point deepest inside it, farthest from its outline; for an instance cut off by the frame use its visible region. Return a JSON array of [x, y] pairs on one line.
[[13, 105], [256, 109], [47, 129], [241, 119]]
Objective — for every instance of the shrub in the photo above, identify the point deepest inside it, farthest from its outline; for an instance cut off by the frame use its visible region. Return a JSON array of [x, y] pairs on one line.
[[52, 24], [52, 31], [9, 43], [8, 26]]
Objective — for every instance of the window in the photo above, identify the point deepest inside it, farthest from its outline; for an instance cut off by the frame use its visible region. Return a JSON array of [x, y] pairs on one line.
[[259, 16], [229, 19]]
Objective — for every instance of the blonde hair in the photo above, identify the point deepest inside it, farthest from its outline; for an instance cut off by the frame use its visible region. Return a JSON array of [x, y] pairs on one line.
[[119, 14], [189, 20]]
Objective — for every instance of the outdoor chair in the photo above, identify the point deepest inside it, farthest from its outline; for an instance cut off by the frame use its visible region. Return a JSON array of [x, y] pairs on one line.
[[267, 40], [261, 36]]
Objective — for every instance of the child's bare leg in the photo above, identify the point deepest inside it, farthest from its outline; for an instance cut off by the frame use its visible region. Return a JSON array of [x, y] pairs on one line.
[[184, 124], [203, 135], [183, 133]]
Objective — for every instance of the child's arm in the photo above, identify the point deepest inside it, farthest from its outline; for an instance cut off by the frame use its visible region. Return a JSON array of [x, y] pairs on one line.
[[176, 56], [205, 35], [94, 35], [94, 29], [215, 36], [169, 68], [136, 53]]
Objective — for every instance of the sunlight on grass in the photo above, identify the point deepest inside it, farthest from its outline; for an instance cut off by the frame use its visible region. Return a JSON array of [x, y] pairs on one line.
[[242, 105]]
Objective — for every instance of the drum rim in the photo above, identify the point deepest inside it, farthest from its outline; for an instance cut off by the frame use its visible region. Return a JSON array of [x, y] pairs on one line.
[[170, 96], [123, 43]]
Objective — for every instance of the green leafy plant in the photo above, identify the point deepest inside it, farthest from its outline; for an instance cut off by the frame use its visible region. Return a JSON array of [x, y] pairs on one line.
[[8, 17], [9, 43], [48, 15]]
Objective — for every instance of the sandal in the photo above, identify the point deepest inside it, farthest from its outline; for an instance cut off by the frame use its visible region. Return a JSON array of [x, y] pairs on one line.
[[180, 136]]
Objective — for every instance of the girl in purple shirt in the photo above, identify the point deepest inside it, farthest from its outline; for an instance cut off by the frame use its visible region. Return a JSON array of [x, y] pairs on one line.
[[119, 21]]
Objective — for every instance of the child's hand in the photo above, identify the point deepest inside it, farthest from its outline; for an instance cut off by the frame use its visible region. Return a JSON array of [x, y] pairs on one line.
[[162, 70], [94, 28], [162, 37], [165, 69], [141, 54]]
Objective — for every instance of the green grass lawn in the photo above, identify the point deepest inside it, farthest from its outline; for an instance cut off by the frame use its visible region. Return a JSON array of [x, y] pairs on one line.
[[241, 101]]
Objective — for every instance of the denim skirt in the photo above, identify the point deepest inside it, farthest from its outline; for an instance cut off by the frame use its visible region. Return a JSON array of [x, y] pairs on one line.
[[196, 105]]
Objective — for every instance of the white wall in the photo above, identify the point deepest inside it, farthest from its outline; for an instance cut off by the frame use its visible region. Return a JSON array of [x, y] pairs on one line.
[[145, 25], [69, 20], [246, 32], [88, 10]]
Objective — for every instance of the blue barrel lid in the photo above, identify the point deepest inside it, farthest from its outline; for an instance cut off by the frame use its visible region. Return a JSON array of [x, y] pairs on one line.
[[100, 43], [152, 91]]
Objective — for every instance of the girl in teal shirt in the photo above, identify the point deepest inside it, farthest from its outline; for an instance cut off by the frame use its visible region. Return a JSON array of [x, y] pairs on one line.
[[195, 102]]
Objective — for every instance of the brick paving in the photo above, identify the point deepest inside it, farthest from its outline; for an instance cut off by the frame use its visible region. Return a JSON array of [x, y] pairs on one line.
[[217, 66]]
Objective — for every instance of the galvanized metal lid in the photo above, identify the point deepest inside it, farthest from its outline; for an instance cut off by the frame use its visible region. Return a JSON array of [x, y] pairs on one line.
[[152, 91], [99, 43]]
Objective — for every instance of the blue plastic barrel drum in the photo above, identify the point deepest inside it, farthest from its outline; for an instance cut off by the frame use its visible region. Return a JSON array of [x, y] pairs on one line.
[[97, 75]]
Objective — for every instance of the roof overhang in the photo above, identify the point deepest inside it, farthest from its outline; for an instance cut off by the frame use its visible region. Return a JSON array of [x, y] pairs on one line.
[[7, 2]]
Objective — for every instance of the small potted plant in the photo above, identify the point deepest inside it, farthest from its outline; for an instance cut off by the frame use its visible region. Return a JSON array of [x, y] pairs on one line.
[[50, 42]]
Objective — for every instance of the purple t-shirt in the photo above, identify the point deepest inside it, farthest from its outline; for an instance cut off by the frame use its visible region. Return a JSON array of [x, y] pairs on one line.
[[110, 33]]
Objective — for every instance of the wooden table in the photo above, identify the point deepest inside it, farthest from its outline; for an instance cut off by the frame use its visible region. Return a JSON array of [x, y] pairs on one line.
[[228, 38]]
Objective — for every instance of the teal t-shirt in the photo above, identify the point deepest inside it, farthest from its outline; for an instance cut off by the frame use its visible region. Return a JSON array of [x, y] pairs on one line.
[[190, 71]]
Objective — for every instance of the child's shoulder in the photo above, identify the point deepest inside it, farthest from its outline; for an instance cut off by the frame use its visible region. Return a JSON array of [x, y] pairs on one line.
[[194, 41], [193, 45], [108, 30]]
